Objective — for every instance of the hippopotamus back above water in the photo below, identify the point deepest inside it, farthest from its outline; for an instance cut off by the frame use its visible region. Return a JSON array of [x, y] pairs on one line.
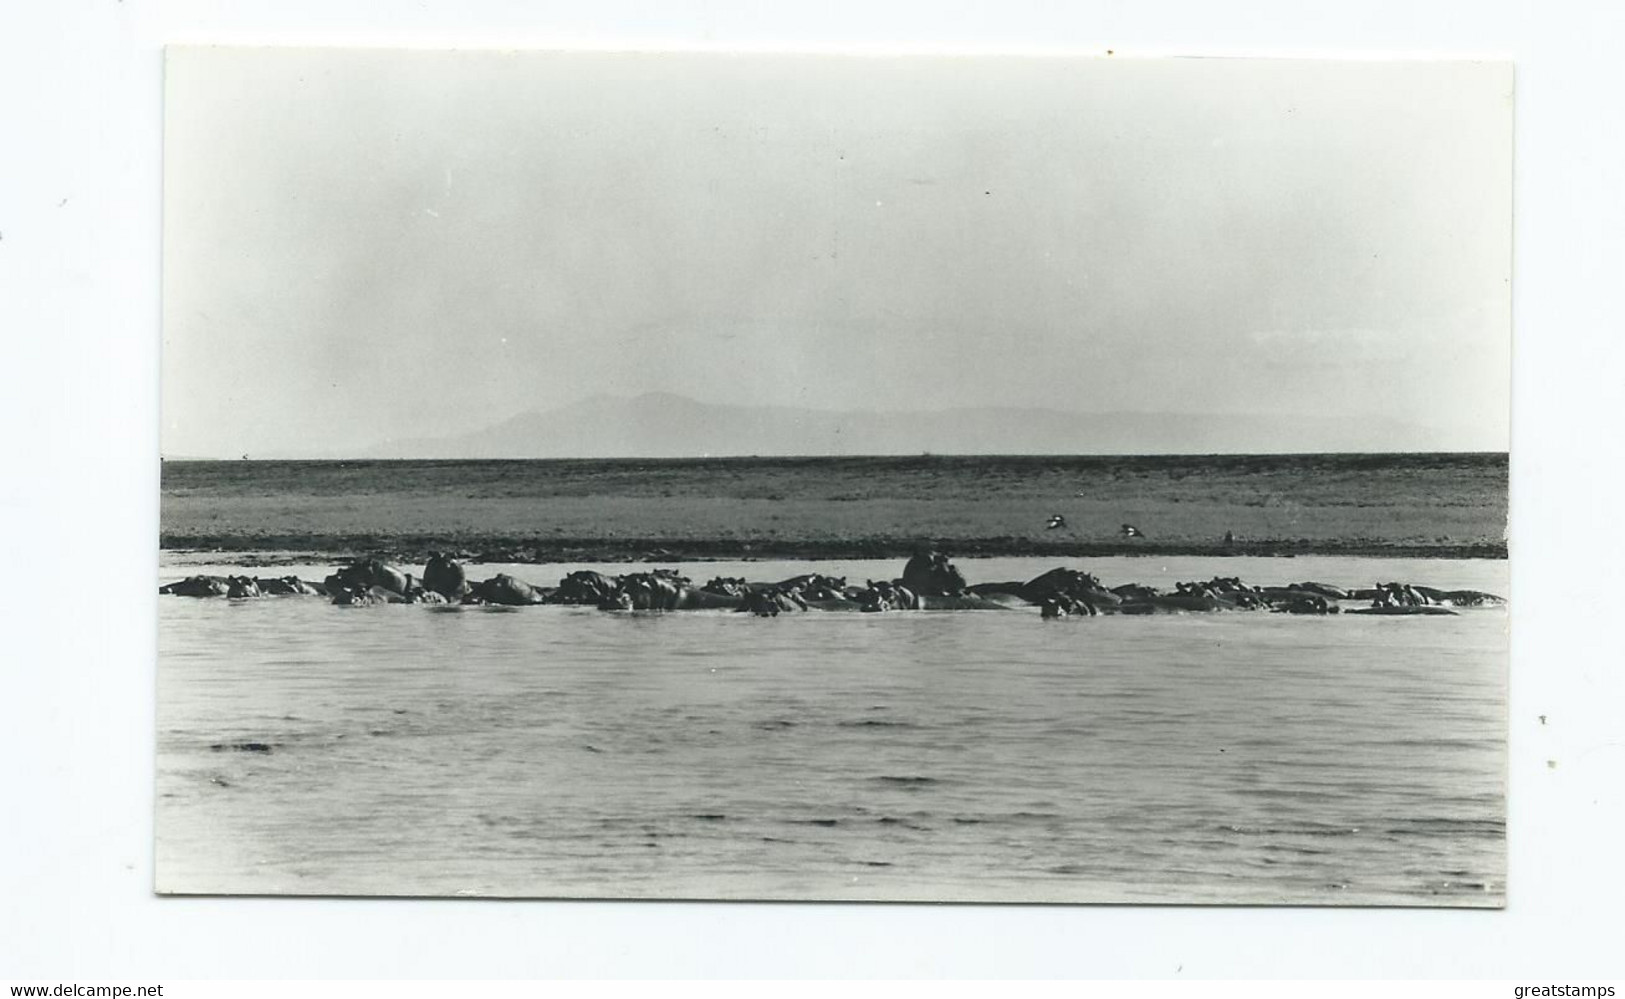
[[1459, 598], [1322, 589], [1068, 582], [365, 573], [197, 586], [234, 587], [504, 590], [289, 586], [584, 587]]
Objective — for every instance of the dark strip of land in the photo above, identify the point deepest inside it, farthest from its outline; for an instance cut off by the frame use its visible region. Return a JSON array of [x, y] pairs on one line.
[[416, 548], [1448, 506]]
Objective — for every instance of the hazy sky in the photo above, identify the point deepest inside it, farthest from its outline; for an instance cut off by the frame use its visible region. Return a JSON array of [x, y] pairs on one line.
[[362, 245]]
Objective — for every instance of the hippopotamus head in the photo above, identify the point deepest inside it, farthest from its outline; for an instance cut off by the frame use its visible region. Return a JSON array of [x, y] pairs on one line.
[[874, 597], [422, 595], [242, 586], [444, 576], [619, 600], [728, 586], [1308, 603], [930, 572], [884, 596], [1397, 595], [762, 603], [364, 596]]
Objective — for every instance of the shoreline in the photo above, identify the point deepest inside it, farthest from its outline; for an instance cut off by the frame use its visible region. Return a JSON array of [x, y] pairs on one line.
[[267, 549]]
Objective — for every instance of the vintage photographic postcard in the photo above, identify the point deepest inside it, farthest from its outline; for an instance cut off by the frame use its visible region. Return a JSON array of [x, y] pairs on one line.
[[777, 476]]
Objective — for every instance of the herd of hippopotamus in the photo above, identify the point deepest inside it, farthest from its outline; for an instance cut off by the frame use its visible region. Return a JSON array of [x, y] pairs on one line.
[[929, 582]]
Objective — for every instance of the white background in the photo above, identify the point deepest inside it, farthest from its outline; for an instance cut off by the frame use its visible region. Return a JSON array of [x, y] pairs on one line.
[[79, 278]]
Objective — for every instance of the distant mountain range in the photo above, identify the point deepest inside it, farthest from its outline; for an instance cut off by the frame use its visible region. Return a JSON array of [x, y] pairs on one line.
[[660, 425]]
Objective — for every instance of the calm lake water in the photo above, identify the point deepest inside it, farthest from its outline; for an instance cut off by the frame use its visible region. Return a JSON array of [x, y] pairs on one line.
[[566, 752]]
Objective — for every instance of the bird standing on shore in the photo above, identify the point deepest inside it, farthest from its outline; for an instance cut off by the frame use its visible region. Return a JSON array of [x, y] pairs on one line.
[[1055, 521]]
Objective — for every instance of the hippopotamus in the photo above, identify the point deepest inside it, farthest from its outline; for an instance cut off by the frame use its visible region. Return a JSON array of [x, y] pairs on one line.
[[1007, 594], [1134, 591], [290, 586], [895, 595], [809, 581], [1058, 605], [197, 586], [1172, 603], [1228, 586], [1322, 589], [584, 587], [830, 600], [930, 573], [1459, 598], [365, 573], [1398, 595], [1007, 588], [1229, 591], [885, 596], [1234, 594], [827, 593], [664, 589], [444, 576], [1069, 582], [769, 602], [365, 596], [1305, 603], [645, 591], [728, 586], [242, 587], [504, 590]]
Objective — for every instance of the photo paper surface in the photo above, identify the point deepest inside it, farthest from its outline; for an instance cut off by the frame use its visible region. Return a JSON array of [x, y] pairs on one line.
[[809, 477]]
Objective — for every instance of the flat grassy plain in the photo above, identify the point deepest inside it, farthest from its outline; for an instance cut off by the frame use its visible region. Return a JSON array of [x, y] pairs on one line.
[[1447, 505]]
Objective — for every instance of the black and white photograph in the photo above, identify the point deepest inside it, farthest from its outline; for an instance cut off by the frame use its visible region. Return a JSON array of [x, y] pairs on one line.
[[819, 477]]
